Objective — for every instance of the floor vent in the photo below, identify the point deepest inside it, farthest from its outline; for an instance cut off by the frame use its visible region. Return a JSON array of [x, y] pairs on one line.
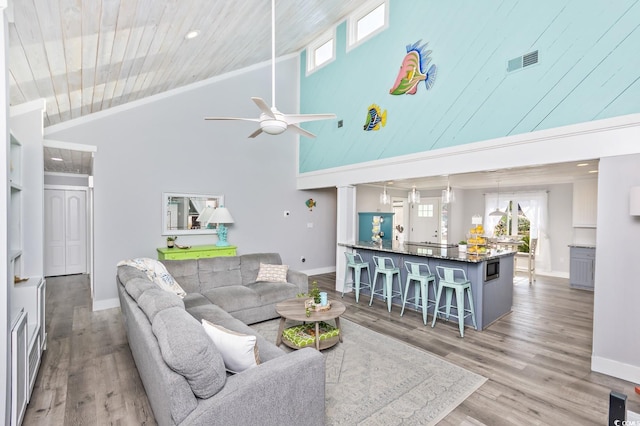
[[522, 61]]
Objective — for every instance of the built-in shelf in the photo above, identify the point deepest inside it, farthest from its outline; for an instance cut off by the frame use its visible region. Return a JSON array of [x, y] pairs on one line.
[[25, 174]]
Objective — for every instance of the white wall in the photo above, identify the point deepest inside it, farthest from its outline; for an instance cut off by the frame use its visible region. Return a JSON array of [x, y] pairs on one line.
[[616, 335], [148, 148], [5, 361]]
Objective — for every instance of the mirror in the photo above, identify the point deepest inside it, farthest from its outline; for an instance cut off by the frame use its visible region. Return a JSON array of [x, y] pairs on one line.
[[187, 214]]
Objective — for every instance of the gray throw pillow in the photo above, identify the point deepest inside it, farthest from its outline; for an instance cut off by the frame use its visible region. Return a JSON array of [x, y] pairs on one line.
[[188, 351], [155, 300]]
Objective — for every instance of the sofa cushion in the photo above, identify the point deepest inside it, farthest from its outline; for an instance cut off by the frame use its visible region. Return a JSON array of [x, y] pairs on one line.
[[156, 272], [191, 300], [272, 273], [126, 273], [136, 286], [274, 292], [250, 264], [233, 298], [155, 300], [239, 351], [185, 272], [188, 351], [219, 272], [210, 312]]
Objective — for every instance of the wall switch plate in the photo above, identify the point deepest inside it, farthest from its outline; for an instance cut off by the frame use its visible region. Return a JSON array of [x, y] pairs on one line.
[[310, 225]]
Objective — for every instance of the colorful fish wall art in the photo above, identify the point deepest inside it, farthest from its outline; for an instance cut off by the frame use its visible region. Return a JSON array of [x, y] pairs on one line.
[[414, 70], [375, 118], [310, 203]]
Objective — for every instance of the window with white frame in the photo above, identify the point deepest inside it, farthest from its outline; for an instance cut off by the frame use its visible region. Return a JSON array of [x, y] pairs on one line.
[[367, 21], [321, 51], [425, 210]]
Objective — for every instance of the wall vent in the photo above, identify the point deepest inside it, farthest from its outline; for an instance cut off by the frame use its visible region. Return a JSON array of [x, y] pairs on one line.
[[523, 61]]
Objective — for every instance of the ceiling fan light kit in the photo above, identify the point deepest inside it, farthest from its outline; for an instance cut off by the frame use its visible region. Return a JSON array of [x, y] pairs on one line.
[[272, 121]]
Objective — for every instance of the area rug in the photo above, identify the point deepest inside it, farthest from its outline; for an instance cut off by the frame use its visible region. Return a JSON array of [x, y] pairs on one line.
[[373, 379]]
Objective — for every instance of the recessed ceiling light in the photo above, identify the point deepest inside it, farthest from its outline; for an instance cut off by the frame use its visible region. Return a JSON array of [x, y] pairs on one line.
[[56, 159], [192, 34], [593, 171], [582, 164]]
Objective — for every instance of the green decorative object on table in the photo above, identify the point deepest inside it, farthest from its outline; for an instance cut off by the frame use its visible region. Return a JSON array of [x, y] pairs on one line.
[[171, 241], [304, 335]]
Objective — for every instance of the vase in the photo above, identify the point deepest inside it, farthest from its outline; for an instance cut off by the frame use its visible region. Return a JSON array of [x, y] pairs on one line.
[[170, 244]]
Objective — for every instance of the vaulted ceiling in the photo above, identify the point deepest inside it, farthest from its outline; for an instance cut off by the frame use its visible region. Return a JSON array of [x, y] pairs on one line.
[[84, 56]]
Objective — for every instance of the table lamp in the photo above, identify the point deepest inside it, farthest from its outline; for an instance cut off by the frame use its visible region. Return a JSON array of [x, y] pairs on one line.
[[220, 217]]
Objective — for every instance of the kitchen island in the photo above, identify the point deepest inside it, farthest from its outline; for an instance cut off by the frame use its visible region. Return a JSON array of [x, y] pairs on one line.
[[491, 274]]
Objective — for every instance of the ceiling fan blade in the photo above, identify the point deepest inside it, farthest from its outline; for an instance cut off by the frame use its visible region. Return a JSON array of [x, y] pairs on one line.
[[301, 118], [299, 130], [263, 107], [232, 118], [256, 133]]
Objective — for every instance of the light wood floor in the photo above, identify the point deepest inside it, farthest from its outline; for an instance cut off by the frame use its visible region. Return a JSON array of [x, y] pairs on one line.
[[536, 359]]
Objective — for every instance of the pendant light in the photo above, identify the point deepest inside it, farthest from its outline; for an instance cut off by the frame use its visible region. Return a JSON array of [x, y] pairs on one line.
[[447, 194], [385, 198], [414, 196], [497, 211]]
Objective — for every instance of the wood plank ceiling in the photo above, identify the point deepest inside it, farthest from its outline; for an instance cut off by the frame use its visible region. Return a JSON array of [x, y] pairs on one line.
[[85, 56]]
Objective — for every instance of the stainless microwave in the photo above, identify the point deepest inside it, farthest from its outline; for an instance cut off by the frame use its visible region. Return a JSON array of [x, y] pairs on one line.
[[492, 269]]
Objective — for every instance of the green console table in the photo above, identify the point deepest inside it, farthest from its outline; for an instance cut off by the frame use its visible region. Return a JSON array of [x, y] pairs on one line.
[[195, 252]]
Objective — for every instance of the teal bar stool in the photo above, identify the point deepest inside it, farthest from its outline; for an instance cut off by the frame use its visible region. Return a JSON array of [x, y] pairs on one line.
[[452, 279], [388, 270], [419, 274], [355, 262]]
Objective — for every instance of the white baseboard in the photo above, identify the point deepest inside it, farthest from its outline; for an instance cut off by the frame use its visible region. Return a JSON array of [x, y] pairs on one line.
[[100, 305], [610, 367], [319, 271]]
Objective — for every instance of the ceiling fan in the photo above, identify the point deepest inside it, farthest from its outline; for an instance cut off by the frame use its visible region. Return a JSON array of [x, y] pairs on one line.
[[272, 121]]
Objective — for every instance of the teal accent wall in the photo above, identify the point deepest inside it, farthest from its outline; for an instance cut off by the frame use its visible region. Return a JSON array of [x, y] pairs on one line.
[[589, 69]]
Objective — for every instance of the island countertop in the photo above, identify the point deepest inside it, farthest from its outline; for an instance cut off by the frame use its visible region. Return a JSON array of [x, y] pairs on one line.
[[436, 251], [492, 288]]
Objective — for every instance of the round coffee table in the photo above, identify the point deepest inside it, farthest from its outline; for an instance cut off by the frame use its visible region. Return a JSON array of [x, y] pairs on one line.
[[293, 309]]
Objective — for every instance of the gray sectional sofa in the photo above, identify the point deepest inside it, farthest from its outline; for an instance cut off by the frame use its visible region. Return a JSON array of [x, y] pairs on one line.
[[182, 370]]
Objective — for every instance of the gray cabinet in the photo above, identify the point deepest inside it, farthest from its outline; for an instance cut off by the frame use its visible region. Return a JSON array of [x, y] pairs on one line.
[[582, 267]]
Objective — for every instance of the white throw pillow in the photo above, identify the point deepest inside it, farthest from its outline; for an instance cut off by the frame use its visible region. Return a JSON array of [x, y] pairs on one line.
[[239, 351], [272, 273], [157, 273]]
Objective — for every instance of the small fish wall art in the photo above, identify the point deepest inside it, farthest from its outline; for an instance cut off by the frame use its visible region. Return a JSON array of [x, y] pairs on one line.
[[414, 70], [375, 118], [310, 203]]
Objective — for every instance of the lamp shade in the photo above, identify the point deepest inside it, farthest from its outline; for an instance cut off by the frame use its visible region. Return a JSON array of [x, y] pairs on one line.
[[221, 215], [205, 215], [634, 201]]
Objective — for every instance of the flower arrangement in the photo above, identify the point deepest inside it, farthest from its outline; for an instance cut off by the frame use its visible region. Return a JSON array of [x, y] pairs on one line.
[[171, 240]]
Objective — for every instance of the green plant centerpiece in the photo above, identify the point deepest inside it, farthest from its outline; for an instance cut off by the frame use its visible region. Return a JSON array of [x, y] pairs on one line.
[[314, 302], [171, 240]]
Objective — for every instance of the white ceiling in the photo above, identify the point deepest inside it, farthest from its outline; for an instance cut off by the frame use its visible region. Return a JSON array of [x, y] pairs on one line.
[[504, 178], [88, 56]]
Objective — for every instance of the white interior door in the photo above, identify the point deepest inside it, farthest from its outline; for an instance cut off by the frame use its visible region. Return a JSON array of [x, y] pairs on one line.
[[65, 232], [76, 232], [425, 221], [54, 232]]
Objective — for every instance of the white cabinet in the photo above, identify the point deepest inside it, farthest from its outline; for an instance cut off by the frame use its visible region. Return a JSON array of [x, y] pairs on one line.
[[31, 296], [585, 203], [19, 369]]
